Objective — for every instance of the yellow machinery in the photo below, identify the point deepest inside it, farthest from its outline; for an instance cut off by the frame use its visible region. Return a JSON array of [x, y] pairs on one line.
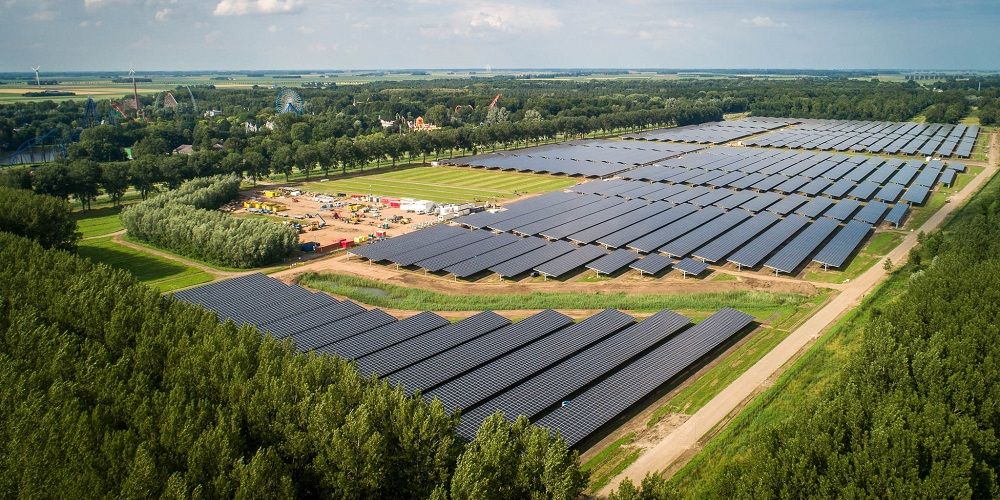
[[265, 205]]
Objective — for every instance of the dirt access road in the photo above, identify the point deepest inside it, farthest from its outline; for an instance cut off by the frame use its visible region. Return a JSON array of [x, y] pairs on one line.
[[684, 441]]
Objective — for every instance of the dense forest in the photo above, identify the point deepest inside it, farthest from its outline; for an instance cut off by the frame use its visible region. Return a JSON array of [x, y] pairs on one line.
[[916, 413], [108, 389], [186, 221]]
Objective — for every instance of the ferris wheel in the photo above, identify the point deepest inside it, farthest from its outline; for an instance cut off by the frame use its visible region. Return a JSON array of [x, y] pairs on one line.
[[288, 101]]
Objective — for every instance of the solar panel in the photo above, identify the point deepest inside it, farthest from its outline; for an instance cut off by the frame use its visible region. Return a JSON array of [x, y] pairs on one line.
[[844, 209], [385, 336], [482, 262], [843, 244], [691, 266], [446, 365], [534, 395], [897, 214], [533, 258], [593, 233], [916, 194], [815, 207], [447, 259], [614, 261], [754, 252], [570, 261], [410, 351], [872, 212], [656, 239], [488, 380], [651, 264], [735, 238], [796, 251], [596, 406], [341, 329], [704, 233], [637, 230]]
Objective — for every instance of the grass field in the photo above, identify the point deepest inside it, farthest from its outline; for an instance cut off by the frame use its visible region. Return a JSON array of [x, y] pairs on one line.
[[443, 184], [157, 272], [379, 294], [98, 222]]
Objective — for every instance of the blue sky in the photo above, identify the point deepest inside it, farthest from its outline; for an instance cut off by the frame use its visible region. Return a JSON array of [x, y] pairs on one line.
[[65, 35]]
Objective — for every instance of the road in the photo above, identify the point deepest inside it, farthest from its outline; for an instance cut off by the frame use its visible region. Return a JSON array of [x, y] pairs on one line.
[[686, 438]]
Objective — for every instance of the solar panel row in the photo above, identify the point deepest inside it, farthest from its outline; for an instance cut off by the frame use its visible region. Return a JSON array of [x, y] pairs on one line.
[[482, 363]]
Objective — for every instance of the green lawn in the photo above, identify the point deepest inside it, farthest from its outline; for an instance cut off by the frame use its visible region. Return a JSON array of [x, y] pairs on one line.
[[379, 294], [157, 272], [98, 222], [443, 184]]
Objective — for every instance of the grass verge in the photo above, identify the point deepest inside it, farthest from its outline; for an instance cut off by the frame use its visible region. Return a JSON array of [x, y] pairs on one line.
[[380, 294], [160, 273], [98, 222]]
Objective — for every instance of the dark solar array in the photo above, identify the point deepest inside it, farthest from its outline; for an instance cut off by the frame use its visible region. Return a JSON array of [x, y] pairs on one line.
[[906, 138], [676, 206], [589, 410], [482, 363], [715, 132], [592, 158]]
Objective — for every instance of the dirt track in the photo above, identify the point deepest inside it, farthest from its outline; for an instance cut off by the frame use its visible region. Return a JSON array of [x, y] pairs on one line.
[[629, 283], [680, 444]]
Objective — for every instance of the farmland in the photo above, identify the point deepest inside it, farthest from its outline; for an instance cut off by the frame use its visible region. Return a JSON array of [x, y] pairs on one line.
[[442, 184]]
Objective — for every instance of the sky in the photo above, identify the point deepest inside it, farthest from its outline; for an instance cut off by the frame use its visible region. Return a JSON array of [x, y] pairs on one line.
[[91, 35]]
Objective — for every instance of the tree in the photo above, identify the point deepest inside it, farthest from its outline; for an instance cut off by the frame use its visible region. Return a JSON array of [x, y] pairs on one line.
[[115, 180], [283, 159], [16, 177], [45, 219], [504, 458], [85, 178], [54, 180], [144, 173], [306, 157]]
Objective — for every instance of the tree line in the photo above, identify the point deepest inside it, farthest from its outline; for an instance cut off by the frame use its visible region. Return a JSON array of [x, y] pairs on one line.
[[109, 389], [185, 221]]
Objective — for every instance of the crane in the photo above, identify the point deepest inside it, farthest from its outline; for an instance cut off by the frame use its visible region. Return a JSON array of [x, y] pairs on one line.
[[494, 103], [38, 81]]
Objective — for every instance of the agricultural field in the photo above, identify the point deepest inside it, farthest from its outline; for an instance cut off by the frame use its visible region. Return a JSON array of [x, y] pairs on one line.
[[443, 184], [157, 272]]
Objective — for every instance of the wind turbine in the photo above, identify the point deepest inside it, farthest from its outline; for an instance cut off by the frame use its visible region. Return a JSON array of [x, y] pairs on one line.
[[37, 80]]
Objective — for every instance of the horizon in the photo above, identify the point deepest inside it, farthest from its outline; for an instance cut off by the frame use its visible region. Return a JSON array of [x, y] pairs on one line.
[[232, 35]]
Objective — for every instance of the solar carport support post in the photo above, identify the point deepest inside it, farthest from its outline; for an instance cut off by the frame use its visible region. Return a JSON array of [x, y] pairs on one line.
[[590, 410], [534, 395]]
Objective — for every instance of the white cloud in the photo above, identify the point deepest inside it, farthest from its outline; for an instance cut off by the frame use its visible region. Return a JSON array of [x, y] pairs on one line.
[[272, 28], [763, 22], [43, 15], [305, 30], [163, 15], [244, 7], [490, 18]]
